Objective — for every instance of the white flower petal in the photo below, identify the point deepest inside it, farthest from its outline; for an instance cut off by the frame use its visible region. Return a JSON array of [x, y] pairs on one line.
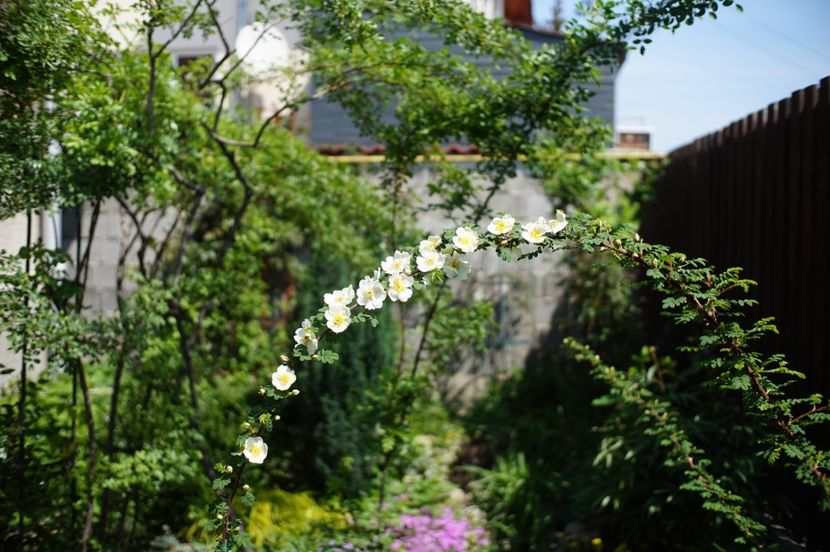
[[457, 266], [558, 223], [305, 335], [255, 450], [397, 263], [400, 287], [283, 378], [370, 293], [432, 243], [339, 298], [338, 318], [501, 225], [534, 232], [428, 261], [465, 239]]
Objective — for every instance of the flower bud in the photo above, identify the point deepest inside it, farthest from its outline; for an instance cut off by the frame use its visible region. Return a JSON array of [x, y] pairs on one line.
[[295, 392], [228, 469], [315, 357], [246, 487], [220, 517], [284, 358], [261, 390], [276, 417], [247, 425]]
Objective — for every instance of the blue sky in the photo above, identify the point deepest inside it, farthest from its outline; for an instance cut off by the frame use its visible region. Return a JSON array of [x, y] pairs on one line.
[[706, 76]]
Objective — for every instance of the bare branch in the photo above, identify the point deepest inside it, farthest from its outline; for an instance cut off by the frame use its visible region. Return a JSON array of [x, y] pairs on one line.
[[228, 50], [185, 24], [151, 85], [218, 115], [154, 54], [139, 225], [186, 235], [242, 58], [305, 98], [165, 242]]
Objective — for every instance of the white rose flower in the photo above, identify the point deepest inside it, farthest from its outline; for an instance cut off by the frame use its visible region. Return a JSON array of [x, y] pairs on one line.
[[338, 318], [397, 263], [305, 336], [430, 244], [558, 223], [340, 297], [428, 261], [255, 450], [534, 232], [465, 239], [457, 266], [283, 378], [370, 292], [400, 287], [501, 225]]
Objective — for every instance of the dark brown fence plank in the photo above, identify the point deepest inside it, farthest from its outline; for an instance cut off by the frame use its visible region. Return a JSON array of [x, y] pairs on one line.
[[769, 161], [775, 257], [755, 192], [821, 138], [807, 315], [792, 260]]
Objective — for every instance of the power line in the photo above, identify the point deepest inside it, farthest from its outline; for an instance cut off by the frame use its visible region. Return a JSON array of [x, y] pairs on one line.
[[769, 51], [785, 36], [726, 72], [734, 76]]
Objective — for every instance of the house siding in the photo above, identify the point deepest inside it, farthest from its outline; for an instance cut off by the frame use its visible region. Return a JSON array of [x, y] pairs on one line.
[[330, 124]]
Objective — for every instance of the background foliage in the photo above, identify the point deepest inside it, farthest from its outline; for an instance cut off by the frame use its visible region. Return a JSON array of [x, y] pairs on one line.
[[124, 435]]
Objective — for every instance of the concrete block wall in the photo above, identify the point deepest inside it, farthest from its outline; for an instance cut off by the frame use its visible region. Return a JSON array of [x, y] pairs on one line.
[[113, 233], [113, 236], [101, 294], [12, 238], [525, 294]]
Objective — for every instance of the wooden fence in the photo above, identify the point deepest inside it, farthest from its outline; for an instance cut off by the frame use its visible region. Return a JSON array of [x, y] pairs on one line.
[[755, 195]]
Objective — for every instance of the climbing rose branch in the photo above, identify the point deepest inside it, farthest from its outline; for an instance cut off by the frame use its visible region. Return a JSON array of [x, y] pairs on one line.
[[693, 292]]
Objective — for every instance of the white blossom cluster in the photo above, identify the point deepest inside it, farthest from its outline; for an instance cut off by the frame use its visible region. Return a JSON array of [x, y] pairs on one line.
[[394, 280]]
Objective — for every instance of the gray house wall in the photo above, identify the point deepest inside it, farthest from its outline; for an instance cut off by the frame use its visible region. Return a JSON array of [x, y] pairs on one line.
[[330, 124]]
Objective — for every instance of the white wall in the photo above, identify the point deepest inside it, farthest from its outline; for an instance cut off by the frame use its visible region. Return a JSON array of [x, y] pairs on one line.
[[526, 293], [491, 8], [12, 238]]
